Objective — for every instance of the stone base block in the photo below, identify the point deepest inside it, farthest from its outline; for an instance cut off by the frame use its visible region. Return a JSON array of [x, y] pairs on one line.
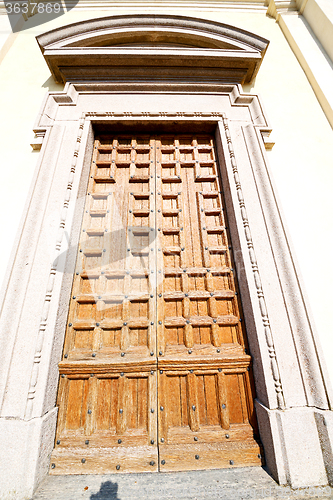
[[293, 447], [324, 421], [25, 449]]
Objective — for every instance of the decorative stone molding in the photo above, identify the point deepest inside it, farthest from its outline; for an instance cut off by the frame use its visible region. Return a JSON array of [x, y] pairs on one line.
[[171, 47], [50, 286], [268, 141], [255, 269], [234, 94], [37, 142]]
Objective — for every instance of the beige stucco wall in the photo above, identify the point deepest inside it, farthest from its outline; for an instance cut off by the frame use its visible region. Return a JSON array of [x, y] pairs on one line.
[[301, 161]]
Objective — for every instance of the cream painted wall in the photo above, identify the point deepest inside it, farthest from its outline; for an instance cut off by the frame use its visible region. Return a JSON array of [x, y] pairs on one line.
[[319, 15], [4, 32], [300, 162]]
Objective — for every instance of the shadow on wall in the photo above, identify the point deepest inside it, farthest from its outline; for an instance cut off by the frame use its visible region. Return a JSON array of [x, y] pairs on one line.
[[108, 491], [51, 86]]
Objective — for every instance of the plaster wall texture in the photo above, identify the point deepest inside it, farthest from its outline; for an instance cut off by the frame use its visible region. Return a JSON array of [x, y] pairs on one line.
[[313, 58], [300, 161], [4, 33], [319, 15]]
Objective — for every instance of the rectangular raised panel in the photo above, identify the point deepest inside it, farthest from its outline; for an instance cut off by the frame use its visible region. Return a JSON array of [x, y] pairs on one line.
[[204, 420]]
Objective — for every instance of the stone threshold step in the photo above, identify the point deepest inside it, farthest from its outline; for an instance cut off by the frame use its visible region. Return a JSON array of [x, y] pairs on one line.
[[224, 484]]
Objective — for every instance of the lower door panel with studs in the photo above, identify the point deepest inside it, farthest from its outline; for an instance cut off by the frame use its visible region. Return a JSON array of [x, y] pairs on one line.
[[105, 423], [154, 374]]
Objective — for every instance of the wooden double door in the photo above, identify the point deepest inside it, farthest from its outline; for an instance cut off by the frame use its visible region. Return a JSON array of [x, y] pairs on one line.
[[154, 374]]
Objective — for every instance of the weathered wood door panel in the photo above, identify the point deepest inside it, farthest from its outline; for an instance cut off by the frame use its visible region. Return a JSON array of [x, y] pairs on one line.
[[203, 382], [104, 423], [154, 371]]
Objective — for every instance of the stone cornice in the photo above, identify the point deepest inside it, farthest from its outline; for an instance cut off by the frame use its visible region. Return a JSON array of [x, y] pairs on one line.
[[155, 47]]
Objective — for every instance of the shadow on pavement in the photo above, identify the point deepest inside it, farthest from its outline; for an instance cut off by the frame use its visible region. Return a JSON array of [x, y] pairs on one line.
[[108, 491]]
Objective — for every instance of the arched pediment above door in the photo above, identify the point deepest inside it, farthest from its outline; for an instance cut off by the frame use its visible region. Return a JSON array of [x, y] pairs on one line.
[[149, 47]]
